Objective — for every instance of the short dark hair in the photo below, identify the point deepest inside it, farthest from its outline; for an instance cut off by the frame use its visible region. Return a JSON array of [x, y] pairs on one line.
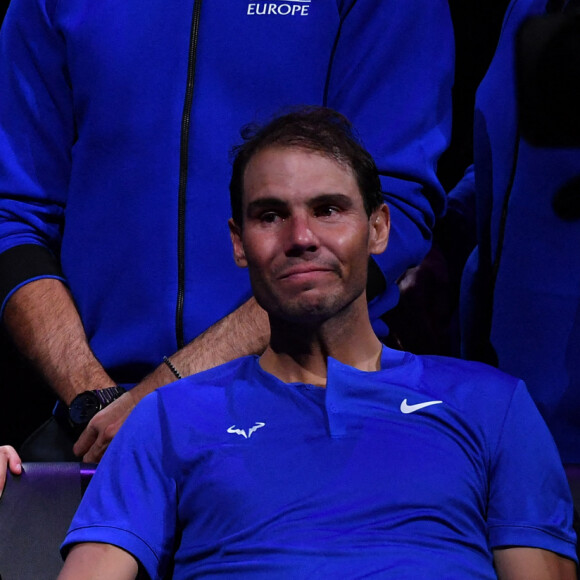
[[317, 129]]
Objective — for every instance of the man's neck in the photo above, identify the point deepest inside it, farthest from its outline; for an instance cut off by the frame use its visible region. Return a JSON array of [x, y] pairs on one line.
[[299, 353]]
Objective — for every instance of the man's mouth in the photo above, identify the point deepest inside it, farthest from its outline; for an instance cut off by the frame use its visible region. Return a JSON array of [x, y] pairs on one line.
[[305, 271]]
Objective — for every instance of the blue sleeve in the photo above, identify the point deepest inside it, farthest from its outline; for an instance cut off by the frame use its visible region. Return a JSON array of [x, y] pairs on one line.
[[35, 121], [461, 198], [529, 499], [385, 79], [131, 501]]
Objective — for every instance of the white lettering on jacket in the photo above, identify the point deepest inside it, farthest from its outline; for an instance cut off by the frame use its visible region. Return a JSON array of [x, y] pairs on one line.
[[296, 8]]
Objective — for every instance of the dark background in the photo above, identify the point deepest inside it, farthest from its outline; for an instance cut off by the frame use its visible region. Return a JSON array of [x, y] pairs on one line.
[[25, 401]]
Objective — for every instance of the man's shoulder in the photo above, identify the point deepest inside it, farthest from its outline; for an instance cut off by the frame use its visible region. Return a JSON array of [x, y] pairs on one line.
[[465, 369], [443, 371], [466, 393], [202, 403], [468, 383]]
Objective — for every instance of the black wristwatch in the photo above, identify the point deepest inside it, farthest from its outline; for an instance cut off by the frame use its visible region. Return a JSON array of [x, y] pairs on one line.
[[86, 405]]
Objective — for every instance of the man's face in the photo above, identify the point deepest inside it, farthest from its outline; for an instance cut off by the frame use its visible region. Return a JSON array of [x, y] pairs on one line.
[[306, 237]]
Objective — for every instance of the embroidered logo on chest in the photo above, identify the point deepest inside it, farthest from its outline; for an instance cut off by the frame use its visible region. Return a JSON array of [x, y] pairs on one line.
[[406, 408], [246, 435]]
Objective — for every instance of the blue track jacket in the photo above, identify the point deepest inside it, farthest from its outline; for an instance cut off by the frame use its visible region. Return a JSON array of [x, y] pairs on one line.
[[116, 119]]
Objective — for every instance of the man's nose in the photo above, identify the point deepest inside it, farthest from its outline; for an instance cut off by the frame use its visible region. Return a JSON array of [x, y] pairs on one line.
[[301, 235]]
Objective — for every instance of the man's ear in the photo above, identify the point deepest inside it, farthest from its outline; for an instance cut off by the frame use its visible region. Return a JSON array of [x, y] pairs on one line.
[[380, 226], [236, 236]]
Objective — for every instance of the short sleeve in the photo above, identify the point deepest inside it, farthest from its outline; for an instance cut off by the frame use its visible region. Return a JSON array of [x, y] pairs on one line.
[[529, 498], [131, 501]]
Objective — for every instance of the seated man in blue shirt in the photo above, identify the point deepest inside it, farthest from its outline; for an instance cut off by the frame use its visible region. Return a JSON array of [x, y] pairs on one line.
[[330, 455]]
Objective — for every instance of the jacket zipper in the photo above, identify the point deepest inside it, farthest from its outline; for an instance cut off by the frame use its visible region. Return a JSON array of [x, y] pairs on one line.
[[183, 172]]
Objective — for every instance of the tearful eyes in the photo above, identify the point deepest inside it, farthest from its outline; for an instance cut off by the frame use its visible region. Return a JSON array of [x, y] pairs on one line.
[[327, 211], [270, 217]]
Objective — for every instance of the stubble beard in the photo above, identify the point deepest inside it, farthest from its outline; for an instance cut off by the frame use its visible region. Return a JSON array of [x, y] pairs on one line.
[[307, 309]]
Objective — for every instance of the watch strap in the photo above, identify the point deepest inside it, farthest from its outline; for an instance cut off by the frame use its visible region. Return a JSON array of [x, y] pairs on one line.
[[80, 411], [108, 395]]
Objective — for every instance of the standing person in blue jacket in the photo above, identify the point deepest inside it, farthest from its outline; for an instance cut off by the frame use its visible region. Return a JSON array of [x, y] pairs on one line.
[[520, 295], [115, 120], [330, 455]]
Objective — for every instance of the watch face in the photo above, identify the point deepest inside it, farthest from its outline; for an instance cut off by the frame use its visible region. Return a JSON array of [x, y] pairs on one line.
[[84, 407]]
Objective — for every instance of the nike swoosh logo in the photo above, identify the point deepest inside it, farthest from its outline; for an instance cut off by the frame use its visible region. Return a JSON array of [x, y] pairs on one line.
[[406, 408]]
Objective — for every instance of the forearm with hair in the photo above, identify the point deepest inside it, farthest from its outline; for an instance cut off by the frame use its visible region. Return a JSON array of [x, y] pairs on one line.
[[43, 321], [245, 331]]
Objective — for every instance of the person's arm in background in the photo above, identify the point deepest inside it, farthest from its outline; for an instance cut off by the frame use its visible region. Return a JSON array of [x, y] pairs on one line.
[[36, 139], [422, 322], [244, 331], [398, 96], [44, 323]]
